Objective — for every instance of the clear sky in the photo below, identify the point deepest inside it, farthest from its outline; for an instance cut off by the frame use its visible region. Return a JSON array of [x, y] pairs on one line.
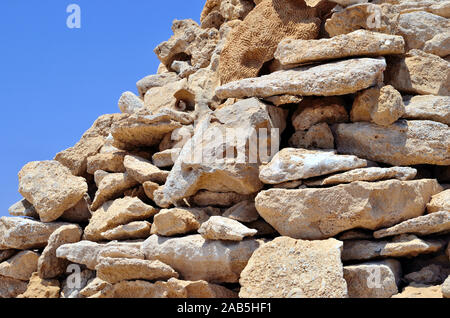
[[55, 81]]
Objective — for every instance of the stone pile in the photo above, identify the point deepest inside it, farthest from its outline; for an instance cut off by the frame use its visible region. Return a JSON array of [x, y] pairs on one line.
[[353, 202]]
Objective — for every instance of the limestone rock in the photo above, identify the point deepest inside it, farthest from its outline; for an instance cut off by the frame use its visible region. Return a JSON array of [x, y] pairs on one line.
[[317, 213], [109, 162], [132, 230], [439, 202], [130, 103], [5, 254], [157, 80], [419, 73], [289, 268], [170, 96], [142, 170], [400, 246], [335, 78], [23, 208], [357, 43], [50, 188], [178, 221], [114, 270], [221, 199], [420, 291], [439, 45], [11, 288], [283, 99], [115, 213], [72, 286], [373, 279], [244, 211], [50, 266], [196, 289], [21, 266], [93, 287], [222, 228], [294, 164], [41, 288], [446, 288], [216, 12], [429, 107], [166, 158], [403, 143], [428, 275], [346, 3], [150, 188], [195, 258], [318, 136], [436, 222], [22, 234]]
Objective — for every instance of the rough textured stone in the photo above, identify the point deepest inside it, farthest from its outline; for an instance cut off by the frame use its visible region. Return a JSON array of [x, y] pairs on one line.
[[170, 96], [422, 225], [244, 211], [21, 266], [178, 221], [318, 136], [374, 279], [357, 43], [114, 270], [142, 170], [222, 228], [221, 199], [109, 162], [72, 286], [150, 188], [283, 99], [132, 230], [403, 143], [294, 164], [315, 214], [446, 288], [50, 188], [419, 73], [428, 107], [289, 268], [50, 266], [335, 78], [23, 208], [5, 254], [196, 289], [195, 258], [157, 80], [439, 202], [420, 291], [216, 12], [41, 288], [22, 234], [115, 213], [439, 45], [130, 103], [166, 158], [430, 275], [11, 288]]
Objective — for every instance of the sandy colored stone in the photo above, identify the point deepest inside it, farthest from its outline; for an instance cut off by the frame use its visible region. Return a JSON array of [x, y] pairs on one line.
[[400, 246], [114, 270], [283, 99], [142, 170], [72, 285], [41, 288], [244, 211], [115, 213], [130, 103], [109, 162], [436, 222], [195, 258], [446, 288], [50, 266], [404, 143], [22, 234], [177, 138], [157, 80], [318, 136], [294, 164], [5, 254], [133, 289], [21, 266], [356, 234], [111, 186], [439, 45], [94, 286], [170, 96], [334, 78], [346, 3], [132, 230], [170, 222], [439, 202], [317, 213], [50, 188], [221, 199], [80, 212], [420, 291], [429, 275], [289, 268], [216, 12], [356, 43], [419, 73], [428, 107], [166, 158], [11, 288], [196, 289], [373, 279], [222, 228], [150, 188], [23, 208]]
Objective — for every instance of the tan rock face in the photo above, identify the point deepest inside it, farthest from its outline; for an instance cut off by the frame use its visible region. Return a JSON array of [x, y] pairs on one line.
[[419, 73], [169, 96], [221, 199], [420, 291], [216, 12], [373, 279], [318, 136], [71, 288], [19, 233], [21, 266], [196, 289], [446, 288], [439, 45], [244, 211], [429, 107], [157, 80], [436, 222], [23, 208], [130, 103], [166, 158], [109, 162], [357, 43], [41, 288], [195, 258], [130, 231], [5, 254], [116, 213], [403, 143], [221, 228], [283, 99], [51, 188], [11, 288], [178, 221], [295, 164], [315, 214], [439, 202], [335, 78], [50, 266], [142, 170], [288, 268]]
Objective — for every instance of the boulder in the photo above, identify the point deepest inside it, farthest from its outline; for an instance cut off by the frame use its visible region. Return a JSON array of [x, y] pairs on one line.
[[41, 288], [428, 107], [23, 208], [21, 266], [222, 228], [131, 231], [439, 202], [439, 45], [72, 286], [217, 12], [244, 211], [142, 170], [130, 103], [11, 288]]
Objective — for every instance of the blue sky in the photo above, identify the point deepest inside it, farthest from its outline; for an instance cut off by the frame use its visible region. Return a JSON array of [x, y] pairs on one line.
[[55, 81]]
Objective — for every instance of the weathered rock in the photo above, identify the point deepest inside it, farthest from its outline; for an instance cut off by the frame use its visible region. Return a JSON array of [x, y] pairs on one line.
[[80, 212], [356, 234], [93, 287], [115, 213], [50, 266], [11, 288], [150, 188], [283, 99], [318, 136], [439, 202], [428, 107], [373, 279], [73, 285], [288, 268], [403, 143], [22, 234], [23, 208], [195, 258], [400, 246], [50, 188], [114, 270], [170, 96], [319, 213], [21, 266], [294, 164], [41, 288], [222, 228], [244, 211], [132, 289], [196, 289], [357, 43], [130, 231], [216, 12], [346, 3], [166, 158], [421, 225], [419, 73], [335, 78], [446, 288], [130, 103], [420, 291], [142, 170], [157, 80], [109, 162], [439, 45], [178, 221], [5, 254], [221, 199], [428, 275]]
